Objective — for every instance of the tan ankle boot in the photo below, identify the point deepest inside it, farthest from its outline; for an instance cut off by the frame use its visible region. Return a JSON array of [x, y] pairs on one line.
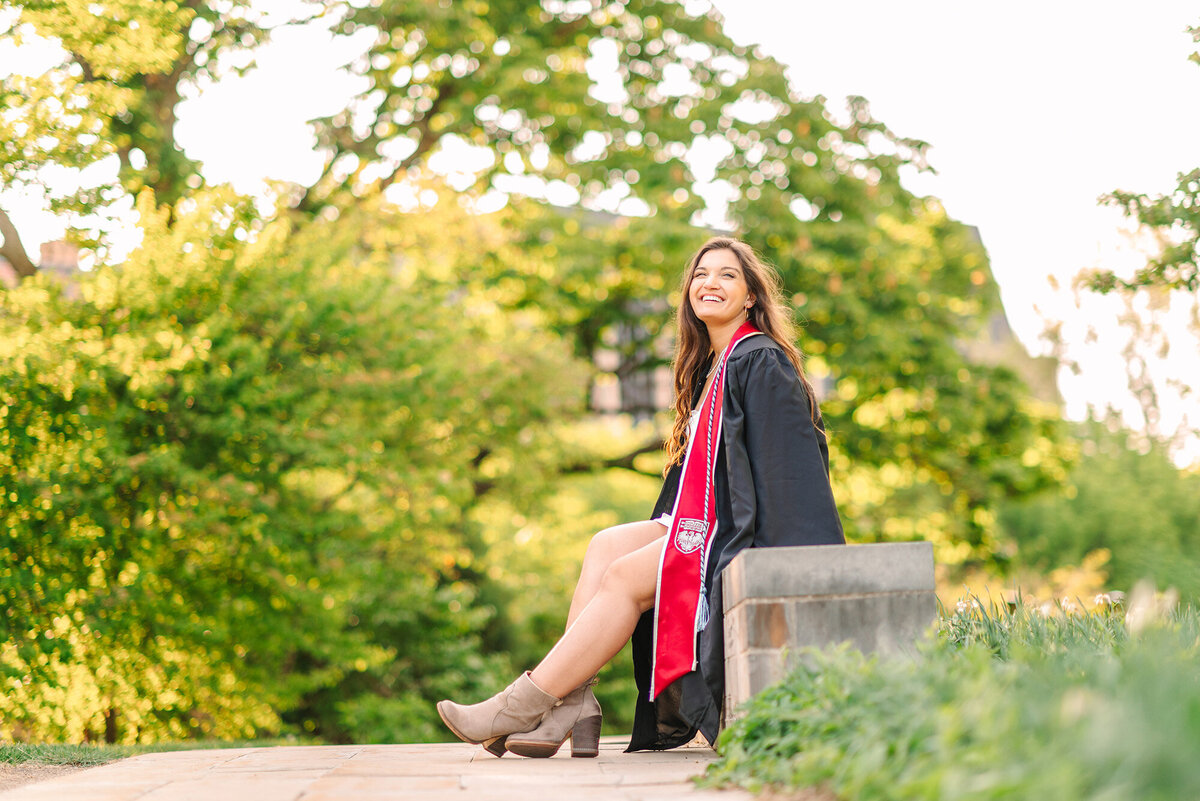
[[518, 708], [578, 717]]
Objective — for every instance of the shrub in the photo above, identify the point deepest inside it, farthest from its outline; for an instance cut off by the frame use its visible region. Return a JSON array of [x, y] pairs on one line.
[[237, 473], [999, 705]]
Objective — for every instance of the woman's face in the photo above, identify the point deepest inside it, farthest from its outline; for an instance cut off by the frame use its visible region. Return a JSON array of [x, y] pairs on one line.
[[718, 291]]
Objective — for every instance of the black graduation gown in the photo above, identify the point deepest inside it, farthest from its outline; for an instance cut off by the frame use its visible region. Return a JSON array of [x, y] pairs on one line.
[[772, 489]]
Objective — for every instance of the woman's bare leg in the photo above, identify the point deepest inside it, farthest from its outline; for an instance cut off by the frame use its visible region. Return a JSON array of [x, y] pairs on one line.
[[605, 624], [605, 548]]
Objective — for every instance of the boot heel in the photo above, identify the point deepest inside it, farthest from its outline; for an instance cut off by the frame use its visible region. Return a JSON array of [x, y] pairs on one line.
[[585, 737], [496, 746]]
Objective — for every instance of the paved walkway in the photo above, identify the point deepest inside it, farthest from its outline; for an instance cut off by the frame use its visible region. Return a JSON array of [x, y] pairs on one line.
[[376, 772]]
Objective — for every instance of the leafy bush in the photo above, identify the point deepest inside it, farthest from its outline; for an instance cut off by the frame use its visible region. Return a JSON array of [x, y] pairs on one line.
[[1131, 502], [238, 471], [999, 705]]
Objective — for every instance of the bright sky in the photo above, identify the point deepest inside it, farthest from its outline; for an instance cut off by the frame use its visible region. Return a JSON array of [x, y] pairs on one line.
[[1033, 111]]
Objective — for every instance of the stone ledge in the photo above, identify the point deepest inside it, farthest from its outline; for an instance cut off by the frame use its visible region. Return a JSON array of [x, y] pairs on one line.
[[777, 601], [888, 622], [828, 570]]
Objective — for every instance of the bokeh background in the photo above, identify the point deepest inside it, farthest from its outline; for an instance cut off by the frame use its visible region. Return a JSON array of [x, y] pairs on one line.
[[331, 331]]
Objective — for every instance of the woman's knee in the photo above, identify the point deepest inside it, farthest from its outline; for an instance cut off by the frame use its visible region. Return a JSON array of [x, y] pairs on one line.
[[634, 576], [616, 541], [604, 546]]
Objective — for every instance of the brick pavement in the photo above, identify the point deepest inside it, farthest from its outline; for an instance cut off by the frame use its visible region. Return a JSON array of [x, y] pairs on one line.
[[436, 772]]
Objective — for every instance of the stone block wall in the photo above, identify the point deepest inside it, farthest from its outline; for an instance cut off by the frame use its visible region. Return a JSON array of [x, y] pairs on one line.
[[879, 597]]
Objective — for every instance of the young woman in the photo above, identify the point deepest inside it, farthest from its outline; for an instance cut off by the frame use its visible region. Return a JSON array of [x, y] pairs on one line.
[[749, 466]]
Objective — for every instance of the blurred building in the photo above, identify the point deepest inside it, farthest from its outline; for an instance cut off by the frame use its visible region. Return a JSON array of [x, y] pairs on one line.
[[996, 345], [623, 387], [59, 259]]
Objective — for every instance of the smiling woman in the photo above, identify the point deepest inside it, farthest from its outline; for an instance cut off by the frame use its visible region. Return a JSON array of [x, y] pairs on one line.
[[748, 467]]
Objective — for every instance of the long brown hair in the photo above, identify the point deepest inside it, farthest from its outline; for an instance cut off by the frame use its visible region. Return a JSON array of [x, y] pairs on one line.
[[770, 314]]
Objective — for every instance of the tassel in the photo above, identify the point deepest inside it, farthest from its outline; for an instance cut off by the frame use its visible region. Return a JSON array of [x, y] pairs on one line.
[[702, 616]]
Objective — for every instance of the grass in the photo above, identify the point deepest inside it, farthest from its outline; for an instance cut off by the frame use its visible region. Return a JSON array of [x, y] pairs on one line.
[[85, 755], [1032, 702]]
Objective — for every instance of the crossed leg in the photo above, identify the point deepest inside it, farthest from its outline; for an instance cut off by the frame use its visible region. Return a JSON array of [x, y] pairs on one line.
[[605, 548], [616, 585]]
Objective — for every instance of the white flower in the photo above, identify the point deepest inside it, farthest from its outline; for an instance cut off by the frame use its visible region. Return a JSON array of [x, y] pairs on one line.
[[1148, 607], [1103, 600]]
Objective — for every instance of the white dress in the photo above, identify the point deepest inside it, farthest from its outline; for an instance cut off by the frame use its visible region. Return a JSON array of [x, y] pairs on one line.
[[693, 418]]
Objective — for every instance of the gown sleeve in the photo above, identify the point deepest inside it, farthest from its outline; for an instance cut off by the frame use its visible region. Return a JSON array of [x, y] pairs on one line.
[[778, 460]]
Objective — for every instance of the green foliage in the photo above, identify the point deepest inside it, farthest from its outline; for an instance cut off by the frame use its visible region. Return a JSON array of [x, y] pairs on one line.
[[61, 116], [1127, 498], [1175, 218], [1076, 710], [1013, 631], [88, 755], [925, 441], [237, 473], [254, 446], [513, 75], [123, 68]]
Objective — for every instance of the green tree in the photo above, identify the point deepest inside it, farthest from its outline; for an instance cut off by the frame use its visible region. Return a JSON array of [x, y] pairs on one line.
[[1175, 219], [238, 472], [1171, 276], [523, 78], [124, 67], [1124, 495], [888, 286], [924, 442], [601, 105]]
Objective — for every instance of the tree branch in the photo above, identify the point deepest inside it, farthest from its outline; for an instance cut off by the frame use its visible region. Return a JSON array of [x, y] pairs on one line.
[[624, 461], [13, 250], [89, 74], [308, 204], [428, 138]]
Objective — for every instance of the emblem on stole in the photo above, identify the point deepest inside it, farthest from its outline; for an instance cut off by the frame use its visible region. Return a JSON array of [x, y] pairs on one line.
[[690, 535]]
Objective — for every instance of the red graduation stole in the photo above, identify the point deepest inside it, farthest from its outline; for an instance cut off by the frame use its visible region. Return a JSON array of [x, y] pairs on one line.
[[681, 602]]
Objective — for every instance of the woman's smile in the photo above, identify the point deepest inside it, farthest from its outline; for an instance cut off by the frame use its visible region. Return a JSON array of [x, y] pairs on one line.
[[718, 291]]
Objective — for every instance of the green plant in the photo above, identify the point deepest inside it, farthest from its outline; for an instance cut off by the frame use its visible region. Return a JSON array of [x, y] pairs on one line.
[[236, 475], [999, 705]]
